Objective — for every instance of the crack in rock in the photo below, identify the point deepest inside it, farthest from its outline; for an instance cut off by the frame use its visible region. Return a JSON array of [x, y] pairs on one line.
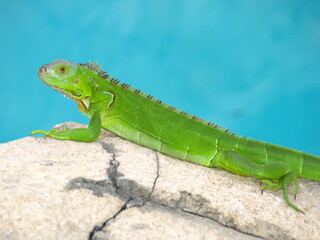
[[175, 208], [156, 178], [196, 204], [113, 173], [109, 147], [107, 222], [125, 188], [136, 195]]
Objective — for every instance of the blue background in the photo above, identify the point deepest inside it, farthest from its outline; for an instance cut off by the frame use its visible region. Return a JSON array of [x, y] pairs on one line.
[[251, 66]]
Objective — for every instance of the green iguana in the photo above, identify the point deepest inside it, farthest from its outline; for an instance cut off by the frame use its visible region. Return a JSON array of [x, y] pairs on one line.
[[142, 119]]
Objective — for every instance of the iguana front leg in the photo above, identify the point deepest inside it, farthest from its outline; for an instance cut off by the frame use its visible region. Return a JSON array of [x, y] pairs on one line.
[[97, 103], [89, 134]]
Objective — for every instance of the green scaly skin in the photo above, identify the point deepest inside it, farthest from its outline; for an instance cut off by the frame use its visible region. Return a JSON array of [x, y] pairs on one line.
[[144, 120]]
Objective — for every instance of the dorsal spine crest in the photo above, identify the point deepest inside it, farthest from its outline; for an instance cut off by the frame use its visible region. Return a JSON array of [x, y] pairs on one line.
[[114, 81]]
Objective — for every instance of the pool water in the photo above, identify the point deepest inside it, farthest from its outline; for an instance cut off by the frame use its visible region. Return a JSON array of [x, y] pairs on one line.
[[250, 66]]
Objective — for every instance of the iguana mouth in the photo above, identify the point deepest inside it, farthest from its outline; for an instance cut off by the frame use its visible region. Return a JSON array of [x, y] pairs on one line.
[[42, 73]]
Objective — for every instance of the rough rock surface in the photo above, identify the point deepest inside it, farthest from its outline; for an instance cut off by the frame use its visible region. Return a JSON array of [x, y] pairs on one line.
[[114, 189], [152, 221]]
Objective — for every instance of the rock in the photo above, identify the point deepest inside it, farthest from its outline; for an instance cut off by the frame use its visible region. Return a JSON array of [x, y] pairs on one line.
[[114, 189], [152, 221], [54, 189]]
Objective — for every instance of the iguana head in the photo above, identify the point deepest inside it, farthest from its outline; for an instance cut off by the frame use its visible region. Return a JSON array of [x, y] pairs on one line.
[[67, 78]]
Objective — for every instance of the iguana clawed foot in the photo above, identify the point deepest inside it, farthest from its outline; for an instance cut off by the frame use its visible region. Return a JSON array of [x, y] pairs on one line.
[[283, 183]]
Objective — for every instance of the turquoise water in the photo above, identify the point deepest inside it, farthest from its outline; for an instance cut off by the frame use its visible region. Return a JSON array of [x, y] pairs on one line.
[[251, 66]]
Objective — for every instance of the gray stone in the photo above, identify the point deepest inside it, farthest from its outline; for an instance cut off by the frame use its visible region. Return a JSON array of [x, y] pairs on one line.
[[155, 222], [236, 201], [54, 189], [114, 189]]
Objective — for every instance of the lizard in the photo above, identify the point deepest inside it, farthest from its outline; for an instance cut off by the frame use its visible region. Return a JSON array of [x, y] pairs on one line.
[[147, 121]]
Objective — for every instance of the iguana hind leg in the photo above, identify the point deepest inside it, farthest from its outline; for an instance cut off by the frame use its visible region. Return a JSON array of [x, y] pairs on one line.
[[280, 174], [284, 183]]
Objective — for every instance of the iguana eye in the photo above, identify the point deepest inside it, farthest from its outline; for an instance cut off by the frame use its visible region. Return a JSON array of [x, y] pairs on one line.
[[62, 69]]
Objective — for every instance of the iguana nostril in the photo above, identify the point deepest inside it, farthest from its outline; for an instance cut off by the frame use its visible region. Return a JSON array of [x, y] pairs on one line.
[[42, 70]]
